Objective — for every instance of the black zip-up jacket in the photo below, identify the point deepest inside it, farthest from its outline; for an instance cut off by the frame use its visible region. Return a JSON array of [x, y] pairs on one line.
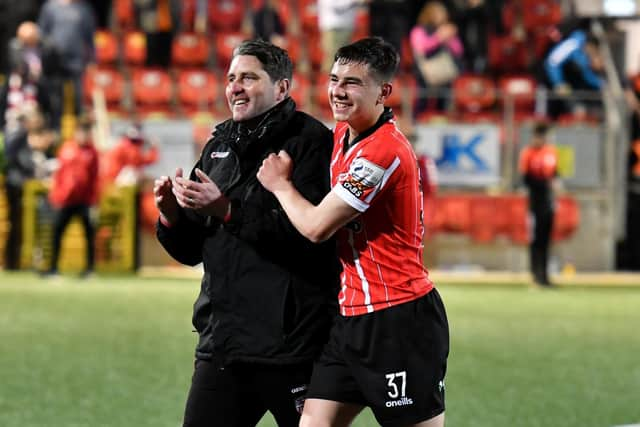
[[268, 295]]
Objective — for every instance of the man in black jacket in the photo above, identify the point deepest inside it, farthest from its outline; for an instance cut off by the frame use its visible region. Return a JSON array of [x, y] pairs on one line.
[[268, 294]]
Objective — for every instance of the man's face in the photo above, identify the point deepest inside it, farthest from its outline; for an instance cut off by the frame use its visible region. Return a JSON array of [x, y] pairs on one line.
[[355, 96], [250, 91]]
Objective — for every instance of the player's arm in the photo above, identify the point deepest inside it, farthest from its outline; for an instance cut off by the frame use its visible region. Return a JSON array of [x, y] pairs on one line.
[[316, 223]]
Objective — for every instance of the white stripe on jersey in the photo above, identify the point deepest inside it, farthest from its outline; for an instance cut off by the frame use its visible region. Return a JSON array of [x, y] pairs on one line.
[[373, 258], [363, 278], [387, 174]]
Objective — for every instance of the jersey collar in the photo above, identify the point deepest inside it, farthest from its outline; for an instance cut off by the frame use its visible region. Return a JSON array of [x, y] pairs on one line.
[[386, 116]]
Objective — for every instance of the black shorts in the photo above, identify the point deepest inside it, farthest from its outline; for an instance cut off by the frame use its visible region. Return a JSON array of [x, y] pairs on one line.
[[238, 395], [393, 360]]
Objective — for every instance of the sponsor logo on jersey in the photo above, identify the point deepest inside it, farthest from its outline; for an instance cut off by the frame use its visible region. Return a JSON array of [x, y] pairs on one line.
[[219, 154], [366, 172], [403, 401]]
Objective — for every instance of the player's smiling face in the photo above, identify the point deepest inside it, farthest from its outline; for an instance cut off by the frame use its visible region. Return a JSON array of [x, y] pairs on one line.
[[250, 91], [355, 95]]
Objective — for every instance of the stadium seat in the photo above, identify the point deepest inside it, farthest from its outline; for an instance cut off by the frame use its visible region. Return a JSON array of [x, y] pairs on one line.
[[482, 210], [190, 50], [110, 82], [107, 49], [516, 224], [473, 93], [406, 56], [225, 43], [124, 13], [507, 55], [361, 26], [315, 52], [566, 218], [152, 91], [308, 15], [301, 91], [226, 15], [541, 13], [197, 90], [319, 95], [292, 46], [188, 15], [135, 48], [519, 90]]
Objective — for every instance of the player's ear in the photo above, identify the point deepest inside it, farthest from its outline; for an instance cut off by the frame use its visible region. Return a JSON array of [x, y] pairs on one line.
[[385, 93], [282, 87]]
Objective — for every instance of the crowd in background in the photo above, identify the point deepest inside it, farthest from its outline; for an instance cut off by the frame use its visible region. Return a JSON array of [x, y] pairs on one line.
[[50, 48]]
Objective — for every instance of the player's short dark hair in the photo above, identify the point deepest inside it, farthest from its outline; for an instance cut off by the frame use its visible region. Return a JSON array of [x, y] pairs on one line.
[[541, 129], [275, 60], [381, 57]]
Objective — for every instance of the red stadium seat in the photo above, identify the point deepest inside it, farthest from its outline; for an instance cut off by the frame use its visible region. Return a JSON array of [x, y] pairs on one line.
[[301, 91], [541, 13], [308, 14], [566, 218], [188, 15], [315, 51], [506, 54], [519, 90], [190, 49], [110, 82], [135, 48], [226, 15], [482, 211], [124, 13], [225, 44], [292, 46], [361, 26], [197, 90], [473, 93], [152, 91], [107, 49], [319, 93]]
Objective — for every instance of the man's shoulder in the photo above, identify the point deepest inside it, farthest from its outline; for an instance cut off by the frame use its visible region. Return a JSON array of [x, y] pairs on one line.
[[309, 124]]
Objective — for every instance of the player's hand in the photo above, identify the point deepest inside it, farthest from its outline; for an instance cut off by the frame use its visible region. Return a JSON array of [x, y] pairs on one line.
[[275, 171], [204, 197], [164, 199]]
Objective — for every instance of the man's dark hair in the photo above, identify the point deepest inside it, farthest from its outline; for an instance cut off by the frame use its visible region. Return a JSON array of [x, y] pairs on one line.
[[541, 129], [275, 61], [381, 57]]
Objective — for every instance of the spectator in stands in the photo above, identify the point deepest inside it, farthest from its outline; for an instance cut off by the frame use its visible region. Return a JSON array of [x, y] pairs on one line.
[[437, 50], [37, 54], [336, 20], [12, 14], [573, 64], [267, 23], [268, 295], [74, 190], [538, 166], [19, 96], [70, 26], [391, 20], [125, 162], [474, 21], [160, 21], [22, 164]]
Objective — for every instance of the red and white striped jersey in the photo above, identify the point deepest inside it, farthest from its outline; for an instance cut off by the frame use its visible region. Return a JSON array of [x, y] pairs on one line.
[[380, 250]]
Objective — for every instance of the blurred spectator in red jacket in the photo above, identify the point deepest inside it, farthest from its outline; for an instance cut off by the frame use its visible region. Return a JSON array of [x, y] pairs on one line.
[[74, 190], [125, 162]]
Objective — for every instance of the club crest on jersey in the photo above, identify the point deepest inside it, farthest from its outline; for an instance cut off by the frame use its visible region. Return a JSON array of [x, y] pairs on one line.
[[367, 173]]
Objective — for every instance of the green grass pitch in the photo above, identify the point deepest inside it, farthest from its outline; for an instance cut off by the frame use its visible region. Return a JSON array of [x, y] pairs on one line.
[[118, 352]]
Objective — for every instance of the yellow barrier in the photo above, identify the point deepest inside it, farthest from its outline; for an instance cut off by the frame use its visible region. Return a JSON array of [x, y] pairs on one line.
[[114, 238]]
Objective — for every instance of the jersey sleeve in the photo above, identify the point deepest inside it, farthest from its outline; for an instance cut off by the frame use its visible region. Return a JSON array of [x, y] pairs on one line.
[[368, 176]]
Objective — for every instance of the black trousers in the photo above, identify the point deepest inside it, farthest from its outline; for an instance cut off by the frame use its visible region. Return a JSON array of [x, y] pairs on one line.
[[14, 239], [62, 219], [539, 246], [238, 395]]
